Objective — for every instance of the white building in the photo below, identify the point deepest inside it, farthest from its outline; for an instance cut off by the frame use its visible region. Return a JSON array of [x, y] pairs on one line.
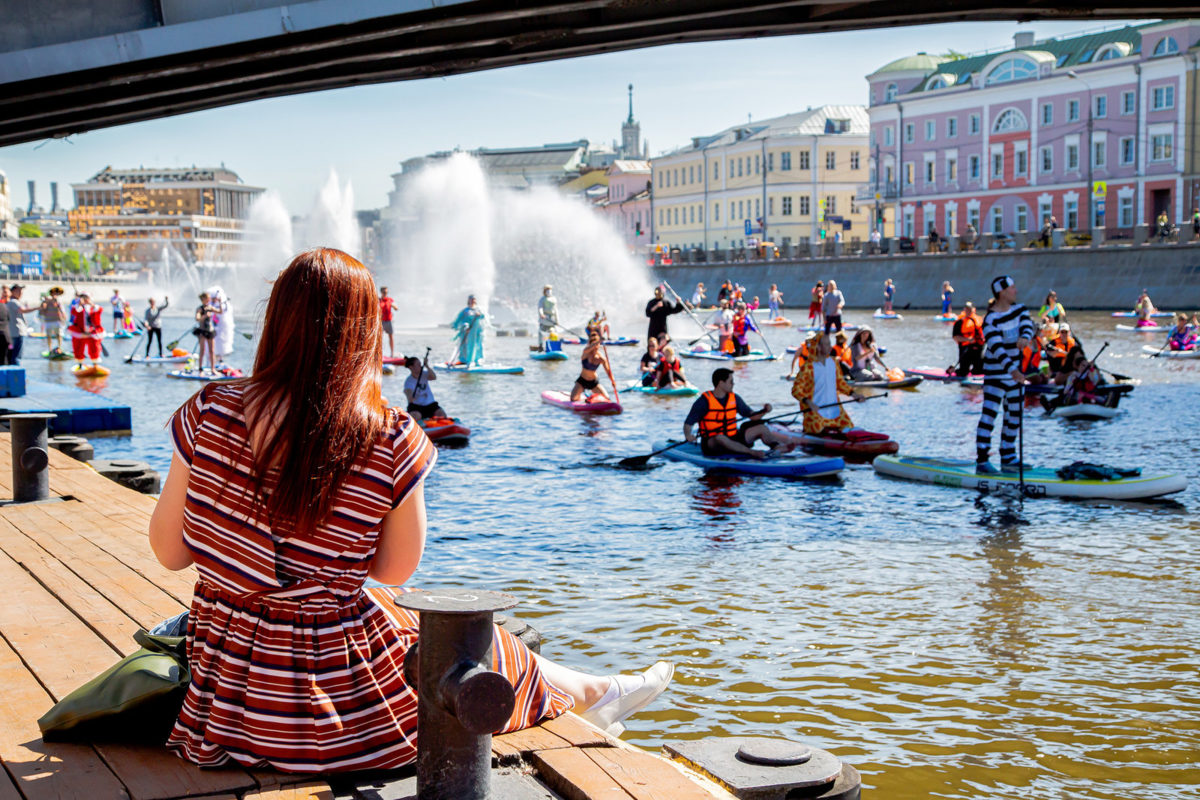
[[8, 223]]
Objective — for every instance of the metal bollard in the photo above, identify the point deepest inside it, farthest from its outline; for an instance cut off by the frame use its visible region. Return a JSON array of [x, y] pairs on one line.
[[760, 768], [30, 459], [461, 702]]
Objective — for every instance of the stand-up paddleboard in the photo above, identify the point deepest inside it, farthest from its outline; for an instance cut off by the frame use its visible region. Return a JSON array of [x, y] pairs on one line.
[[854, 444], [910, 382], [549, 355], [821, 328], [777, 322], [623, 341], [710, 355], [945, 318], [1155, 328], [90, 371], [159, 359], [121, 335], [484, 369], [881, 314], [1084, 411], [393, 360], [445, 430], [784, 466], [670, 391], [1169, 353], [590, 406], [56, 355], [1039, 481], [203, 375], [1133, 314], [938, 374]]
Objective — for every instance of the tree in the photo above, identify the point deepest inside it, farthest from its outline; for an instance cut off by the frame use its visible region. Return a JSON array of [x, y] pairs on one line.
[[104, 261], [56, 261], [71, 261], [27, 230]]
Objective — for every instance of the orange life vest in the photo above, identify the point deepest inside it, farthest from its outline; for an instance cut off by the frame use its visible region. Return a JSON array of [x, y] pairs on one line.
[[1031, 356], [842, 352], [971, 329], [720, 418]]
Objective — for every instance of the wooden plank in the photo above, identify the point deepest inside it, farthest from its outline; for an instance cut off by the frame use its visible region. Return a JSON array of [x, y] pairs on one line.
[[154, 773], [646, 776], [531, 740], [312, 790], [579, 733], [42, 770], [8, 791], [574, 776]]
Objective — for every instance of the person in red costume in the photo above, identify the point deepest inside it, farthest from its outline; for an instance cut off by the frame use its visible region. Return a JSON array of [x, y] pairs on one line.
[[86, 329]]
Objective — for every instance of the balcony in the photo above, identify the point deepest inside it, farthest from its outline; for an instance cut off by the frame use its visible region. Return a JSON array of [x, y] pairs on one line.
[[886, 191]]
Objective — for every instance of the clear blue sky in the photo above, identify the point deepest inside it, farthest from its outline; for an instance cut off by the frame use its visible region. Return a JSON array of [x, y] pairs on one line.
[[290, 144]]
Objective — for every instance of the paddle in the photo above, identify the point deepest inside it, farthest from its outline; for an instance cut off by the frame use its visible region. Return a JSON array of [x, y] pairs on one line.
[[1021, 440], [641, 461], [758, 330], [611, 379], [136, 342], [690, 313], [571, 331], [1050, 405]]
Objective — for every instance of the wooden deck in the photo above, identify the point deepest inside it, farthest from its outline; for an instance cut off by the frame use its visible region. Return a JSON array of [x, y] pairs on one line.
[[79, 580]]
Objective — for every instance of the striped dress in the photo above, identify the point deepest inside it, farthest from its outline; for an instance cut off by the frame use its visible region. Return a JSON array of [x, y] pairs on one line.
[[294, 664]]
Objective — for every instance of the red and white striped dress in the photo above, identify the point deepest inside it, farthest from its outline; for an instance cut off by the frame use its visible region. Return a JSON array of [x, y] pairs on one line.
[[294, 664]]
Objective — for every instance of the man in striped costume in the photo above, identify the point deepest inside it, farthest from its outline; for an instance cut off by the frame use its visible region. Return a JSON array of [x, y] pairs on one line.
[[1007, 330]]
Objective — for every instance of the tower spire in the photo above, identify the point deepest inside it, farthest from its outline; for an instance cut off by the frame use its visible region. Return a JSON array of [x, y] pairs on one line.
[[630, 120]]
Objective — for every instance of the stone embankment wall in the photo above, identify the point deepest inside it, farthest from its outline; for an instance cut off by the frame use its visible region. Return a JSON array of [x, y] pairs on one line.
[[1085, 278]]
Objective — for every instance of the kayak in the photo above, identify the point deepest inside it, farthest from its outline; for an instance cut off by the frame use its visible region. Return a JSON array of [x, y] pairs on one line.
[[622, 341], [484, 369], [854, 443], [90, 371], [672, 391], [709, 355], [1083, 411], [1133, 314], [206, 375], [881, 314], [589, 406], [445, 430], [945, 318], [549, 355], [159, 359], [1155, 328], [936, 374], [56, 355], [1039, 481], [1155, 351], [905, 383], [777, 322], [784, 466]]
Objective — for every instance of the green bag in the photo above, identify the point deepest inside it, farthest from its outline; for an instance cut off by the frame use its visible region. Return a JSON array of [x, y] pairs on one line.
[[138, 698]]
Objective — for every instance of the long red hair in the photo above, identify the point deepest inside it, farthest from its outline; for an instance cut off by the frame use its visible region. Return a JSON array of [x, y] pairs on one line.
[[316, 382]]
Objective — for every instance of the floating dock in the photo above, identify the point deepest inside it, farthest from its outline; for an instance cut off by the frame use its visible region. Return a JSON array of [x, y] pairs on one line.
[[77, 411]]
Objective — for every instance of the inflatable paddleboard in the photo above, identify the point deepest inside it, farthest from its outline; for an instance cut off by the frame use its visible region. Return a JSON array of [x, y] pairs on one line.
[[549, 355], [881, 314], [1142, 328], [1133, 314], [484, 369], [821, 329], [1039, 481], [777, 322], [710, 355], [90, 371], [1160, 353], [121, 335], [159, 359], [206, 375], [945, 318], [1083, 411], [596, 406], [56, 355], [445, 430], [674, 391], [906, 383], [393, 360], [853, 444], [622, 341], [936, 374], [784, 466]]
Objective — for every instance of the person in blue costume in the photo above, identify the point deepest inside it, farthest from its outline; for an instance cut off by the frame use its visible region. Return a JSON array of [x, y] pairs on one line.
[[469, 326]]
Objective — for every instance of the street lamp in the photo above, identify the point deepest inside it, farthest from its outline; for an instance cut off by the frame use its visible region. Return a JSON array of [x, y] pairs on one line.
[[1090, 152]]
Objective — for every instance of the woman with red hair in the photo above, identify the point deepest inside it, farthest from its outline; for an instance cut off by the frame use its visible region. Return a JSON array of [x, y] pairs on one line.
[[287, 490]]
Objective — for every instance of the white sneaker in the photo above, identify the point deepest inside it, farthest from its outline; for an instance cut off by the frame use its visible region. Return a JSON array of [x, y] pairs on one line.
[[608, 715]]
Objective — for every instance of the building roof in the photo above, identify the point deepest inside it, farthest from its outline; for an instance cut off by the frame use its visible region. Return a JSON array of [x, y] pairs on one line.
[[627, 166], [824, 120], [163, 174], [920, 61]]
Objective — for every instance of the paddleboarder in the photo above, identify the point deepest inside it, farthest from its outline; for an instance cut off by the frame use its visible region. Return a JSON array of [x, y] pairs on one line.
[[657, 311], [774, 301], [889, 291], [1144, 309], [818, 384], [1007, 331], [468, 327], [547, 309], [649, 363], [831, 307], [717, 411], [698, 296], [742, 324], [947, 299], [52, 314], [118, 308], [599, 324], [205, 331], [86, 330], [421, 402], [814, 306], [968, 334], [669, 374], [864, 355], [591, 360], [152, 322], [387, 307]]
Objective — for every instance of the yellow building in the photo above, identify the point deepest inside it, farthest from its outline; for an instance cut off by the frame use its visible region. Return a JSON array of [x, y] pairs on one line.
[[132, 214], [803, 170]]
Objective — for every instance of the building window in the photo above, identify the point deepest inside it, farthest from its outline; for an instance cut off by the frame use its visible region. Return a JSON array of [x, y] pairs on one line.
[[804, 160], [1010, 120], [1047, 162], [997, 166], [973, 124], [1127, 150], [1012, 69], [1072, 111], [951, 127], [805, 205], [716, 170], [830, 160], [951, 169], [1044, 213], [997, 220], [1047, 113], [1166, 46], [830, 204], [1022, 218], [1128, 101], [908, 173], [909, 135], [854, 159], [889, 94], [787, 206], [973, 217], [741, 167], [758, 165], [716, 212], [1160, 146], [1125, 212], [1101, 103], [1021, 165], [1073, 157], [770, 162], [1072, 214], [757, 208], [1099, 153], [908, 224], [973, 168], [785, 160], [930, 130], [1164, 98], [888, 136], [770, 206], [929, 172]]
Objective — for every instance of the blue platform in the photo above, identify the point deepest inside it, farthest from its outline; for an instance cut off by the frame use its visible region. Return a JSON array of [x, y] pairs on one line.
[[78, 411]]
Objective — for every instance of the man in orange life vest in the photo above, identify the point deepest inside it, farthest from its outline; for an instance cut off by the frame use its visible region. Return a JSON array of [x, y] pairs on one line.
[[968, 332], [717, 412]]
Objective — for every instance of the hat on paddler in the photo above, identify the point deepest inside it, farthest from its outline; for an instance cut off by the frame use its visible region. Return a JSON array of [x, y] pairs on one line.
[[1001, 283]]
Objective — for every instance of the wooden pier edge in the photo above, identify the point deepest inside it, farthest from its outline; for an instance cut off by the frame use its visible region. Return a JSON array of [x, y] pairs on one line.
[[81, 580]]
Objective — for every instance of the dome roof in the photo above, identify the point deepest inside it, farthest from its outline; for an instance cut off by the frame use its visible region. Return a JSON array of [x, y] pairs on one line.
[[921, 62]]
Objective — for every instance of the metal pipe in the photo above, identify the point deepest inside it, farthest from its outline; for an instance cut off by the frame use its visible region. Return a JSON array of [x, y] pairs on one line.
[[460, 701], [30, 456]]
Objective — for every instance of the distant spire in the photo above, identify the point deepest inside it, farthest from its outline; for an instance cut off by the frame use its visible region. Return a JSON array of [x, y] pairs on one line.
[[630, 120]]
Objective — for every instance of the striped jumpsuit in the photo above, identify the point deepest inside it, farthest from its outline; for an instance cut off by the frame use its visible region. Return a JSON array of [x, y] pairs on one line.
[[1001, 330]]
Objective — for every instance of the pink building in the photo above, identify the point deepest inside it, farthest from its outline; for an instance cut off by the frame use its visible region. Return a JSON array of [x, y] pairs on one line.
[[1093, 129], [627, 205]]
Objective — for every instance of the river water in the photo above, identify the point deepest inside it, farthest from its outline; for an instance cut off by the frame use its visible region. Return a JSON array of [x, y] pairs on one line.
[[949, 644]]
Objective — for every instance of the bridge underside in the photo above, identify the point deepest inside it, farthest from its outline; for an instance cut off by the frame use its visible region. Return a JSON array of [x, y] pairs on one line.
[[69, 66]]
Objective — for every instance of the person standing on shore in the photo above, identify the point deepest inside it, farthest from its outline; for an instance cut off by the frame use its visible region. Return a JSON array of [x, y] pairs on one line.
[[86, 330], [547, 315], [1007, 331], [657, 311], [152, 321], [831, 307]]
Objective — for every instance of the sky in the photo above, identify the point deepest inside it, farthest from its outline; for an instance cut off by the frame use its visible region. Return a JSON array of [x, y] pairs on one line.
[[290, 144]]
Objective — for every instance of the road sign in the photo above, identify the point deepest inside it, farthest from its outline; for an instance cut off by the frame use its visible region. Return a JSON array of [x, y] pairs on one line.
[[747, 227], [1099, 188], [1100, 207]]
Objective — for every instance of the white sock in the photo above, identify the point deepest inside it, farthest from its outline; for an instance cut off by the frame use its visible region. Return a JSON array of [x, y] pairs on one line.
[[611, 693], [628, 683]]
